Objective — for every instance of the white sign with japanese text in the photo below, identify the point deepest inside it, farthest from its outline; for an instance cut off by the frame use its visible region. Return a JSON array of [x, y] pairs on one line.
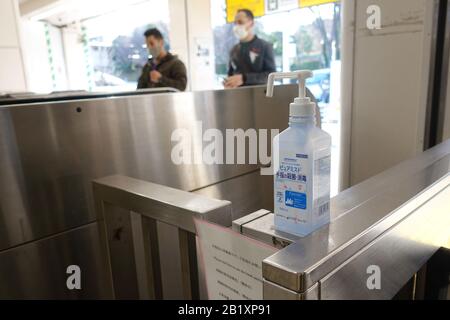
[[232, 262]]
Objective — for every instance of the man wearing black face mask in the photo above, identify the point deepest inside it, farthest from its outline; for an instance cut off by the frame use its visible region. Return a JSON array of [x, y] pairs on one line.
[[163, 69], [252, 59]]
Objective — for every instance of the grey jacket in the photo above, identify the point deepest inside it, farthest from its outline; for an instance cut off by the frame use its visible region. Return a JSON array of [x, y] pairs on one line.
[[254, 60]]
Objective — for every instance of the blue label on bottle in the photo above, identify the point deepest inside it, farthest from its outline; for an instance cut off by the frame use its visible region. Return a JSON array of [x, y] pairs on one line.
[[295, 200]]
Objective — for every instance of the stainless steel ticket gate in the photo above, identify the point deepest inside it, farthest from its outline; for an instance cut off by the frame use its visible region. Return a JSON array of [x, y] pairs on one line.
[[393, 223], [132, 235]]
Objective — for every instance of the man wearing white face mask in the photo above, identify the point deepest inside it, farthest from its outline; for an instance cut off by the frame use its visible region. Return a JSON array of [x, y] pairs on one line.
[[252, 59], [163, 69]]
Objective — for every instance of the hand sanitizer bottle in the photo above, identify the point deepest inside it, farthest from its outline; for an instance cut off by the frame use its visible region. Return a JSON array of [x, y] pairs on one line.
[[301, 160]]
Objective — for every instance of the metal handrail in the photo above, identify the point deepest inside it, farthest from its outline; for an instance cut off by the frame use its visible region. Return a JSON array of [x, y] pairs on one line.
[[384, 209], [128, 211]]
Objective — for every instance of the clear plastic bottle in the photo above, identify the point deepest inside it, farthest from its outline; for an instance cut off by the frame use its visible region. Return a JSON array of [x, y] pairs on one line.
[[302, 162]]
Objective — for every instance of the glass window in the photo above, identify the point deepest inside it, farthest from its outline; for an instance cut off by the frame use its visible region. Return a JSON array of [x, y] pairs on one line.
[[115, 44], [303, 38]]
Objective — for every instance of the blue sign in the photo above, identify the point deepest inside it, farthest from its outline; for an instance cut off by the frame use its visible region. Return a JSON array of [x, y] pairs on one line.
[[295, 200]]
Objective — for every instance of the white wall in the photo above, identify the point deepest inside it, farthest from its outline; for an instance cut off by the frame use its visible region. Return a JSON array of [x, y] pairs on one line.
[[24, 53], [190, 26], [58, 65], [36, 57], [389, 84], [201, 34], [75, 59], [446, 127], [40, 71], [178, 29], [12, 75]]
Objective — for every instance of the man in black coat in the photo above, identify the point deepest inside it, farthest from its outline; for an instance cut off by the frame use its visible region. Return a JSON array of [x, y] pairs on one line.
[[252, 59]]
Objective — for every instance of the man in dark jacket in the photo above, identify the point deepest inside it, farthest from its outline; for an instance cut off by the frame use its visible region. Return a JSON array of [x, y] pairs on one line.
[[163, 69], [252, 59]]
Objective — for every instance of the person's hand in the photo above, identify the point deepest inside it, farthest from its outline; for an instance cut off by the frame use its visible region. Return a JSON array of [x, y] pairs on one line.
[[155, 76], [234, 81]]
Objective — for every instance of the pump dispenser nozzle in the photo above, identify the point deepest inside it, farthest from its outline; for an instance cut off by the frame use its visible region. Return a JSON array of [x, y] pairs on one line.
[[302, 106]]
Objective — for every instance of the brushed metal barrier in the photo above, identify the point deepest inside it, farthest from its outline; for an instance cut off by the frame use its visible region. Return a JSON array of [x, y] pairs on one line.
[[130, 236], [59, 96], [395, 221], [51, 151]]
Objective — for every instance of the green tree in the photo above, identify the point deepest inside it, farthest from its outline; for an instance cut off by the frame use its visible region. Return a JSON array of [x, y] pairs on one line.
[[306, 58], [303, 40], [224, 40], [276, 39], [328, 38]]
